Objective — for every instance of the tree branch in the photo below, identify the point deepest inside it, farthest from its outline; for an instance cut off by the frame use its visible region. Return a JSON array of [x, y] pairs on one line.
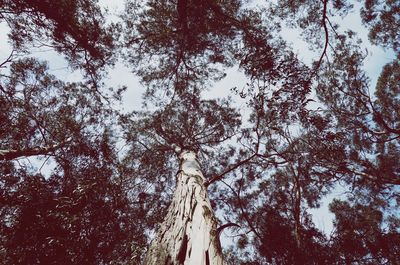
[[230, 169], [11, 154], [374, 178], [244, 213], [379, 119], [324, 19], [8, 60]]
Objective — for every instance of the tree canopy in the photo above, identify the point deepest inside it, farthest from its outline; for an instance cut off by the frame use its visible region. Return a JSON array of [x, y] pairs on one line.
[[84, 182]]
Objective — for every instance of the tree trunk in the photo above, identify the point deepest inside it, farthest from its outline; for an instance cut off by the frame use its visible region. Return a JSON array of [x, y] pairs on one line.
[[188, 234]]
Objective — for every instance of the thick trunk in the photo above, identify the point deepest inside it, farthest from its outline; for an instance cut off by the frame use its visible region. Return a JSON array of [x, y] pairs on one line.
[[188, 234]]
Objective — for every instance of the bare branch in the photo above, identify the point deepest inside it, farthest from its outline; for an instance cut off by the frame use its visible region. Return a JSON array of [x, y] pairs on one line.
[[324, 19], [394, 181], [244, 213], [228, 170], [11, 154], [8, 60]]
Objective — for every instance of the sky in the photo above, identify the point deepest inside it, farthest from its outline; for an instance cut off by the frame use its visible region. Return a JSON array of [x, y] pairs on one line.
[[121, 75]]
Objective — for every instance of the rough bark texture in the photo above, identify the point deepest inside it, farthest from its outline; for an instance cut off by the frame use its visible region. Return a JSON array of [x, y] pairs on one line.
[[188, 234]]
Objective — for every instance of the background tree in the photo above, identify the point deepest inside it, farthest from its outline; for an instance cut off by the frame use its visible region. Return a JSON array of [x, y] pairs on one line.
[[80, 211], [63, 195]]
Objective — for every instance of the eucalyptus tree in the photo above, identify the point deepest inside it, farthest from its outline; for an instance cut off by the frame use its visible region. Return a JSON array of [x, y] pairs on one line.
[[288, 155], [174, 136], [183, 66], [62, 193], [352, 138], [76, 29], [79, 212]]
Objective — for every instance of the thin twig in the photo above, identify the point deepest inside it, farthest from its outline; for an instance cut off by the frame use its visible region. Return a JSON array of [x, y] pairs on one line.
[[324, 19], [8, 60]]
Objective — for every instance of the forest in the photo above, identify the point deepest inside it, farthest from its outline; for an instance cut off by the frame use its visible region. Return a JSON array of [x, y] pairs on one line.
[[256, 119]]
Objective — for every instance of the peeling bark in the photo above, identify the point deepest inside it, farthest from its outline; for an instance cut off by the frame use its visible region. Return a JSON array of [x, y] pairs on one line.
[[188, 234]]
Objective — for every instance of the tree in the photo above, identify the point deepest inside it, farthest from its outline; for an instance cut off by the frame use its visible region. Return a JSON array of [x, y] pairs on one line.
[[77, 215], [180, 130], [63, 196], [282, 171], [80, 212], [201, 165], [364, 240]]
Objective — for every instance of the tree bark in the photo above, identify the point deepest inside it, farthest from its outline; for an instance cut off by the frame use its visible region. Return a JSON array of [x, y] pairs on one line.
[[188, 234]]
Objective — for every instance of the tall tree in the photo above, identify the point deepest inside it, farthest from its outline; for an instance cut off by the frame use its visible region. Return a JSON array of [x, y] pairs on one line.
[[189, 232], [288, 156]]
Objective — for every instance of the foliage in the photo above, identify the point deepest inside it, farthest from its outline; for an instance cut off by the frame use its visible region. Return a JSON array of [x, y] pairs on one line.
[[63, 198], [303, 132], [74, 28], [382, 17], [360, 237], [77, 215], [80, 212]]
